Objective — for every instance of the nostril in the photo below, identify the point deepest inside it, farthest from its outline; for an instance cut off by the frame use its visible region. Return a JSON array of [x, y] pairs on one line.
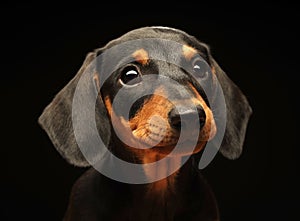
[[176, 122], [174, 119]]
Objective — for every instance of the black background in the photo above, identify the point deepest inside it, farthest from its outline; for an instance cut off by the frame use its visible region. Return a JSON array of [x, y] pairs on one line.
[[42, 49]]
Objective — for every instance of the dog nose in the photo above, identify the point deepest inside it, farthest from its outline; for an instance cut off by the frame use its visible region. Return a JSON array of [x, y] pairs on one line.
[[183, 117]]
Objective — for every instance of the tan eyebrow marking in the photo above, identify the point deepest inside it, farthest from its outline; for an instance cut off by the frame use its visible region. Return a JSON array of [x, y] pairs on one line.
[[188, 52], [141, 56]]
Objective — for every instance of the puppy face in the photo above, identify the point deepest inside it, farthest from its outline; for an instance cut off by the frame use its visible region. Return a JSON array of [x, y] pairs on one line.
[[155, 120], [160, 101]]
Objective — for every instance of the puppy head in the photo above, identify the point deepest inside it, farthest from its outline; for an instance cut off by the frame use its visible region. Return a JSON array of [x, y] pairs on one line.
[[155, 118], [166, 101]]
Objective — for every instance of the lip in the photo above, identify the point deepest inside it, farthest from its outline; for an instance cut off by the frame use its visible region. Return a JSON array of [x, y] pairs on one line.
[[188, 139], [187, 148], [184, 148]]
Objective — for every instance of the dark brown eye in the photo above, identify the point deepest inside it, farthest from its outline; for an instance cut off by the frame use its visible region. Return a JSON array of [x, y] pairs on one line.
[[130, 76], [201, 68]]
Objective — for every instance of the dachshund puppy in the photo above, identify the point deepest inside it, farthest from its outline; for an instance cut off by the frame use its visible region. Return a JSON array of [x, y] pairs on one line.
[[178, 98]]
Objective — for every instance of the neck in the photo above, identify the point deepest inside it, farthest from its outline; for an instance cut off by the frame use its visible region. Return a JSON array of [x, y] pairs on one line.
[[168, 169], [171, 170], [161, 191]]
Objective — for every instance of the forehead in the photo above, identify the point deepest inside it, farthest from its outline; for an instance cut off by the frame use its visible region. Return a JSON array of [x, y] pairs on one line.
[[170, 53], [159, 41], [159, 48], [148, 49]]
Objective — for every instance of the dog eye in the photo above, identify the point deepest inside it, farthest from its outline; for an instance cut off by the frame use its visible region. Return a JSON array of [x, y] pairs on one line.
[[130, 76], [200, 68]]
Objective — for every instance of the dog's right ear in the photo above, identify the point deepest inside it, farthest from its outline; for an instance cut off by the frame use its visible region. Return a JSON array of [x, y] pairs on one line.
[[238, 111], [56, 119]]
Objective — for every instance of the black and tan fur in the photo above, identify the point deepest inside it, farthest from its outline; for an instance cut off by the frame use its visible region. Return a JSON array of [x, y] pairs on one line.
[[184, 195]]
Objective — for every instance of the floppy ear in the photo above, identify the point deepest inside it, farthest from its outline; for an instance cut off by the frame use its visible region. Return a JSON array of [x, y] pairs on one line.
[[238, 113], [56, 119]]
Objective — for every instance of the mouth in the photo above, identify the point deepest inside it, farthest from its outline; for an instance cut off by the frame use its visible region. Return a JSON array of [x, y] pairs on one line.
[[172, 145], [185, 148]]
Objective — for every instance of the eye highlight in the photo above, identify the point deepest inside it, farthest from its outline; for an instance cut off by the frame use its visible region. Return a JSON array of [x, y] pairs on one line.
[[200, 68], [130, 76]]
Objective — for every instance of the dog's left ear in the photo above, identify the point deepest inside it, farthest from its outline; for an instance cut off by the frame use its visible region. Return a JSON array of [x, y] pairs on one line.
[[238, 113], [56, 119]]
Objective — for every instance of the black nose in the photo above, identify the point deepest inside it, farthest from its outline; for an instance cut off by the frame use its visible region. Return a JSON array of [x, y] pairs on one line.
[[188, 117]]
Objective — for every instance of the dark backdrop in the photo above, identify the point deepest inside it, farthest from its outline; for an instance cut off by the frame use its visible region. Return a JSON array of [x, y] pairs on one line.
[[42, 49]]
